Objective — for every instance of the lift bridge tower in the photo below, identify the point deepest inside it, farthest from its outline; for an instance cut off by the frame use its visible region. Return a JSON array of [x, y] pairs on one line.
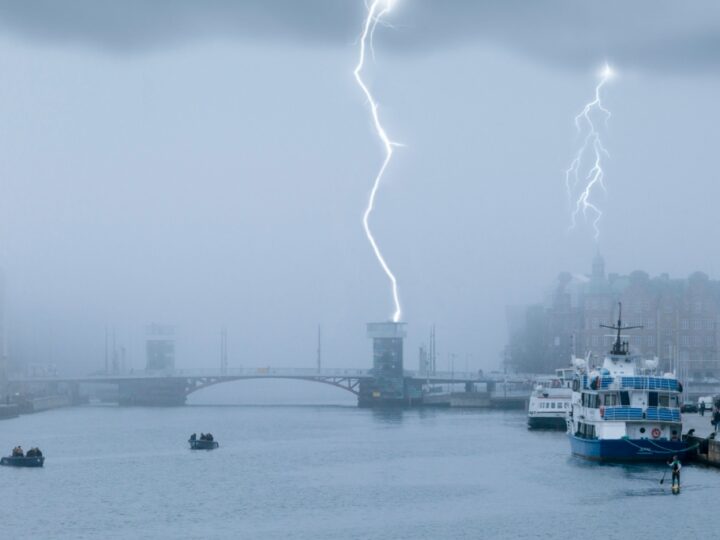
[[388, 387]]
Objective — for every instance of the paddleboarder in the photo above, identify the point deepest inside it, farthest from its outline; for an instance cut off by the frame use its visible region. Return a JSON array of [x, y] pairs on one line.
[[675, 466]]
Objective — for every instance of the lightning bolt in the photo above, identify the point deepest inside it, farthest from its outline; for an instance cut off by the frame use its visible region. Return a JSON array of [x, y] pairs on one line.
[[591, 144], [375, 12]]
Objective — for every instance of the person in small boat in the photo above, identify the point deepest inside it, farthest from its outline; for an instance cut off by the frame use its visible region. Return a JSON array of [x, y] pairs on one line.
[[193, 437], [209, 437], [18, 451], [34, 452], [675, 465], [203, 437]]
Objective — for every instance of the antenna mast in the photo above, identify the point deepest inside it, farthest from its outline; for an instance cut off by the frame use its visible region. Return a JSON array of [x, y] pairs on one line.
[[619, 347]]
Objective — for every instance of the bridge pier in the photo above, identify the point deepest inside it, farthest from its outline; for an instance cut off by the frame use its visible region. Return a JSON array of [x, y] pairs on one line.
[[164, 392], [388, 386]]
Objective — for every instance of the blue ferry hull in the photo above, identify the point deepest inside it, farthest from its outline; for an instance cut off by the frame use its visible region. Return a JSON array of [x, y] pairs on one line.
[[627, 449]]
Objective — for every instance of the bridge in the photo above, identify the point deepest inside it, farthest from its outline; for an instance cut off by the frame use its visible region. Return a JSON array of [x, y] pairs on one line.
[[172, 387]]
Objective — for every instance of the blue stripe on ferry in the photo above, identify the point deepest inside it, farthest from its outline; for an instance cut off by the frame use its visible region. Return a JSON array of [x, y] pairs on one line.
[[663, 413], [623, 413], [637, 383]]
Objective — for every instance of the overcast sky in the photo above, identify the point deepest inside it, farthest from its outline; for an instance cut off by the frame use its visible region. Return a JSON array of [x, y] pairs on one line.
[[206, 164]]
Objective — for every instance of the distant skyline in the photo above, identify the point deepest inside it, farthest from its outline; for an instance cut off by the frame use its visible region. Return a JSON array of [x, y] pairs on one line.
[[206, 165]]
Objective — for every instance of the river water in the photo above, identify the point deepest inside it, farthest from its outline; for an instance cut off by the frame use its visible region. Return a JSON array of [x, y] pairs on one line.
[[327, 472]]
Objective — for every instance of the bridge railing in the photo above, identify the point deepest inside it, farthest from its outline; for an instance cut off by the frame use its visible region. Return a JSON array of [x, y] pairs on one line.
[[272, 372], [260, 372], [459, 376]]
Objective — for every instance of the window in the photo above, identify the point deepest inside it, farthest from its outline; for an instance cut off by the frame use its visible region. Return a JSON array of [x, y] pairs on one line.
[[697, 324], [611, 400], [652, 399], [697, 340], [625, 398], [650, 341], [685, 324], [664, 400], [552, 405], [684, 341]]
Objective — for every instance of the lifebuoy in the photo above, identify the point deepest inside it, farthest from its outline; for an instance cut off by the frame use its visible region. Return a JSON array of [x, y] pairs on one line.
[[656, 433]]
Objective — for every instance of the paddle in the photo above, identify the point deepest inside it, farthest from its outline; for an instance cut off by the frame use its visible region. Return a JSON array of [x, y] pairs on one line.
[[663, 478]]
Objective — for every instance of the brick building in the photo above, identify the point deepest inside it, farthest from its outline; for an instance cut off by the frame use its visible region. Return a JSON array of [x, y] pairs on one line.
[[679, 319]]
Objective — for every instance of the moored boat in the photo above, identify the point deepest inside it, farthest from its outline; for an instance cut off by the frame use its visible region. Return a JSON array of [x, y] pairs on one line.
[[624, 412], [22, 461], [550, 401]]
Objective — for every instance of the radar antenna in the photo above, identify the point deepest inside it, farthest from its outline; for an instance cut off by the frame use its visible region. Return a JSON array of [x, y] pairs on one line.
[[619, 347]]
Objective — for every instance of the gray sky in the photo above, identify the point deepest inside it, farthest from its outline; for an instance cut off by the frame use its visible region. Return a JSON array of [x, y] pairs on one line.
[[207, 164]]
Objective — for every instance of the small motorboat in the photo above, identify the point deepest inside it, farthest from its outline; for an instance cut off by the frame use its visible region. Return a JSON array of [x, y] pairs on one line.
[[22, 461], [203, 444]]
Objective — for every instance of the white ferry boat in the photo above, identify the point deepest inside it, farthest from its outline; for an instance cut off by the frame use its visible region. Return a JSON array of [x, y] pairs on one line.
[[620, 412], [550, 401]]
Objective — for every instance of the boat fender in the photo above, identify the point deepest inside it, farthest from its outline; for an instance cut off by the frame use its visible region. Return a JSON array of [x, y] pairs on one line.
[[656, 433], [602, 411]]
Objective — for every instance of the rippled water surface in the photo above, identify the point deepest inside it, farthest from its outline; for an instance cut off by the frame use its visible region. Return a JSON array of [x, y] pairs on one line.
[[330, 472]]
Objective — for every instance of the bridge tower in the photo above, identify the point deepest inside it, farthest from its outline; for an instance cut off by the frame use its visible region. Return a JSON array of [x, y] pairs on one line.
[[389, 386], [160, 347], [151, 390]]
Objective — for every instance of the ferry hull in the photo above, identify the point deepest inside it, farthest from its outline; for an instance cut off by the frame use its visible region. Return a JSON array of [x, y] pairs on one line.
[[548, 422], [619, 450]]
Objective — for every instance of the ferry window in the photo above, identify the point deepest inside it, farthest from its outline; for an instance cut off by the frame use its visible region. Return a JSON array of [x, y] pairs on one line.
[[625, 398], [664, 400], [611, 400], [673, 401], [652, 399], [552, 405]]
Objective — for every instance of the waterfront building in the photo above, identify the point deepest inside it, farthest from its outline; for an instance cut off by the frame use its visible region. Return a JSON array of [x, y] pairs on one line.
[[679, 319]]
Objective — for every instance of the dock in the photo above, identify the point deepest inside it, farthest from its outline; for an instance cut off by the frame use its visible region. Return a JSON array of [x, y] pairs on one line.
[[708, 449]]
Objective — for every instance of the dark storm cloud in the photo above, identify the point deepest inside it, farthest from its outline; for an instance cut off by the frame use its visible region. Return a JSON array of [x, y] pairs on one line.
[[646, 33]]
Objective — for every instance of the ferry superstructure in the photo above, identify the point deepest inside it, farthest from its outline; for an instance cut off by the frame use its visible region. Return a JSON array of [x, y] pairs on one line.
[[550, 401], [619, 412]]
